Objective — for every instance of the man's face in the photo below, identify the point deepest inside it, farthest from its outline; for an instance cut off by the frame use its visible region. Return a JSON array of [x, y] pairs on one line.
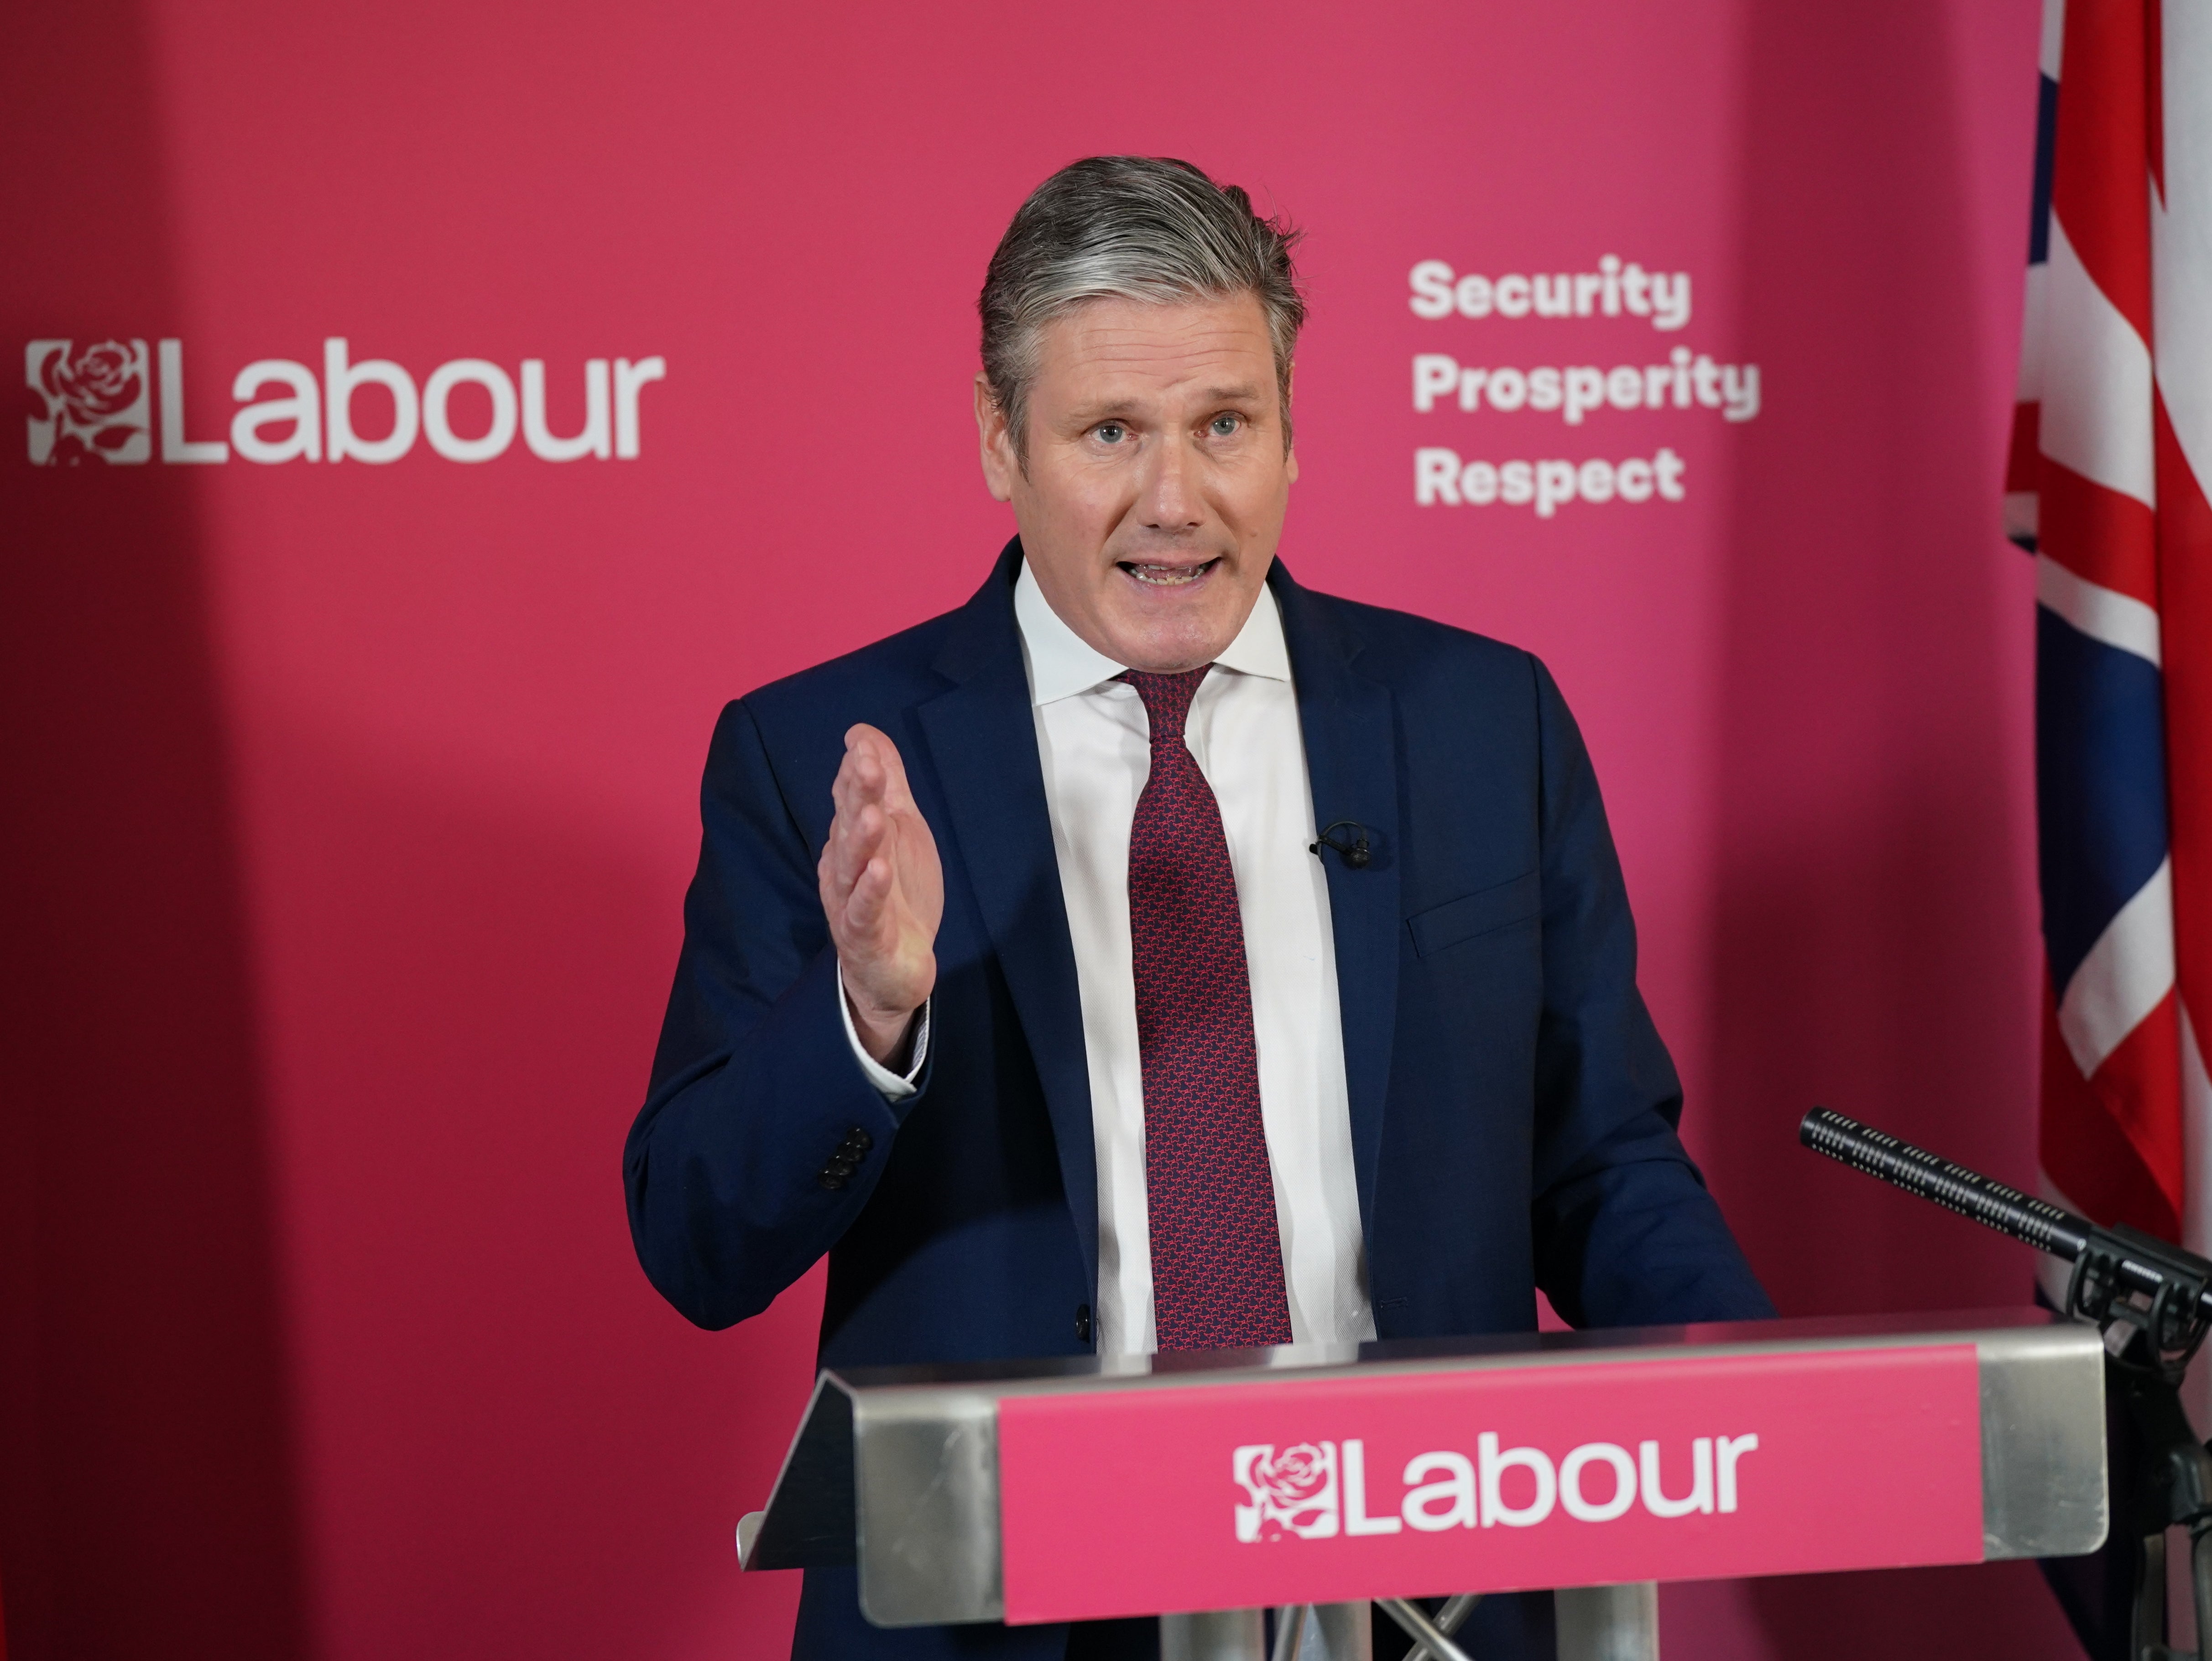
[[1157, 476]]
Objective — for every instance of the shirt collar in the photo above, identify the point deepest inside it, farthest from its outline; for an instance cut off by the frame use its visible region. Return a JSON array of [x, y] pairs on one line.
[[1062, 664]]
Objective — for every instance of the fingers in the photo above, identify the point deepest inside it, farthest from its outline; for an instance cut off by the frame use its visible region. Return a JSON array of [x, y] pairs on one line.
[[856, 839], [862, 779], [857, 901], [877, 848], [869, 791], [874, 747], [867, 908]]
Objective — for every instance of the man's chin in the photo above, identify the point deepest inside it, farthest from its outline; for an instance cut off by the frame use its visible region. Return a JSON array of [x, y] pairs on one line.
[[1169, 646]]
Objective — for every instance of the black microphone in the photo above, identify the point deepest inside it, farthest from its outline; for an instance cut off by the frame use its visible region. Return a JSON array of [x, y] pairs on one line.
[[1352, 850], [2119, 1272], [2008, 1211]]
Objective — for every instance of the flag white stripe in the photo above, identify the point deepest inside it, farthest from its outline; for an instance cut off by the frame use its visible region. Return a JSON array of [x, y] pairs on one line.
[[2032, 306], [2181, 236], [2101, 613], [2096, 382], [2126, 973], [2196, 1122]]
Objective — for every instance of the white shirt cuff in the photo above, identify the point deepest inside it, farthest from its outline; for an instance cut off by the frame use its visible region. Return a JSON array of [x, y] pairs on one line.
[[889, 1084]]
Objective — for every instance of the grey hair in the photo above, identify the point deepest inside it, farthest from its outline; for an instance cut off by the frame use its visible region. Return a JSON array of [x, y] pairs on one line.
[[1139, 228]]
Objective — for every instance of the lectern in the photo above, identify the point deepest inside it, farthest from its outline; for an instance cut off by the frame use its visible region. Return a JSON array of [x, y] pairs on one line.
[[1211, 1488]]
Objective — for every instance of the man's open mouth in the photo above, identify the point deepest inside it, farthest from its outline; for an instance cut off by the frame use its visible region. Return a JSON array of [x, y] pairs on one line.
[[1167, 577]]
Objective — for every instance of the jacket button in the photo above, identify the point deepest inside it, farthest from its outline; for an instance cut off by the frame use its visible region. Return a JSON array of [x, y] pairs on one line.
[[832, 1180], [857, 1141], [1083, 1324]]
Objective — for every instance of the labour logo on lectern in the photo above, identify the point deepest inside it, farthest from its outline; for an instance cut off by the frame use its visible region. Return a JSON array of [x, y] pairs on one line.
[[92, 402], [1292, 1492], [1319, 1490]]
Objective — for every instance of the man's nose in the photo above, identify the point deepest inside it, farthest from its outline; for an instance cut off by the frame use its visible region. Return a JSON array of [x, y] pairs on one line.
[[1171, 500]]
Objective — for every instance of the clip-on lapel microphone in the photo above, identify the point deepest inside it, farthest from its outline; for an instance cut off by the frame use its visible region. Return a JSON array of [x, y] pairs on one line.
[[1352, 850]]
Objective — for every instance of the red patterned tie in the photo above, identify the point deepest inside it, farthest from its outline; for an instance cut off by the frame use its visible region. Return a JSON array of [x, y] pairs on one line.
[[1217, 1255]]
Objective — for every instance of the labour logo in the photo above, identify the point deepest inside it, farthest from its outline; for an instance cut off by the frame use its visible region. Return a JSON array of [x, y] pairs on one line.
[[1293, 1492], [92, 402]]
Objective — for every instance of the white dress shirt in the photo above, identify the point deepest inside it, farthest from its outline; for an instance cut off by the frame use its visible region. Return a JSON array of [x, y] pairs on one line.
[[1095, 743]]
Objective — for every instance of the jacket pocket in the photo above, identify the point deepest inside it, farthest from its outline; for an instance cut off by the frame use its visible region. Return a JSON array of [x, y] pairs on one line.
[[1483, 912]]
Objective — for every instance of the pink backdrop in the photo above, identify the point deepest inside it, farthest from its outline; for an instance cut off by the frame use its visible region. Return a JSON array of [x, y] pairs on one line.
[[350, 806]]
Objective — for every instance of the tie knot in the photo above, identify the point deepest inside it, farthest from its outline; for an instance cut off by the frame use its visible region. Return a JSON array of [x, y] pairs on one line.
[[1167, 698]]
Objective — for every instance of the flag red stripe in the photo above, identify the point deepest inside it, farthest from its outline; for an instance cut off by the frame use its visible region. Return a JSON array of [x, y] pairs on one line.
[[2024, 462], [2185, 532], [2100, 535], [2086, 1147], [2154, 93], [2100, 181]]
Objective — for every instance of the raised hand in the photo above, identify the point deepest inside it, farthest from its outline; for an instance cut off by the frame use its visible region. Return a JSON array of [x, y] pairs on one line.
[[883, 892]]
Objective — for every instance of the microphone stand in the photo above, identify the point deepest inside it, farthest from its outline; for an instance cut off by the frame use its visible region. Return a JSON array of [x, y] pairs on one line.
[[2152, 1300], [2173, 1488]]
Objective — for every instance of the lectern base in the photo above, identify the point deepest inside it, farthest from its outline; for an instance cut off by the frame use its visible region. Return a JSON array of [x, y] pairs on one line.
[[1333, 1632], [1214, 1635], [1321, 1632], [1595, 1623], [1609, 1624]]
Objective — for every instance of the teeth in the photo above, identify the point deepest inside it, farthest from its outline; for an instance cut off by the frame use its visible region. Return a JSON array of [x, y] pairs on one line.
[[1167, 577]]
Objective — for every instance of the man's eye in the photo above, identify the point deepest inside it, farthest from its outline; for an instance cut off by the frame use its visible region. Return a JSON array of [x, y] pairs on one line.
[[1226, 426], [1111, 432]]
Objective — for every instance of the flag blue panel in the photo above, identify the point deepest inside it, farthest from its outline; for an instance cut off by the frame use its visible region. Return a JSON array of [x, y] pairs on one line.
[[2099, 785]]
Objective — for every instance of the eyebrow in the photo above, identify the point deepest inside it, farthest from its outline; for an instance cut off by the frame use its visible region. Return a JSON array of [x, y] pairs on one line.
[[1091, 415]]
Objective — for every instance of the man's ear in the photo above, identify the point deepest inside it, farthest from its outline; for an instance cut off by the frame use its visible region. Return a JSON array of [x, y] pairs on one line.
[[1289, 447], [1000, 463]]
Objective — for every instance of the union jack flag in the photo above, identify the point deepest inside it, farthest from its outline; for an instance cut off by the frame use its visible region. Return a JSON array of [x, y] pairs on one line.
[[2111, 447]]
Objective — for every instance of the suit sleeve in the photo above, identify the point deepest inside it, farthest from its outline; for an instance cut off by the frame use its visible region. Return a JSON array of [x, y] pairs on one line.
[[1625, 1232], [736, 1168]]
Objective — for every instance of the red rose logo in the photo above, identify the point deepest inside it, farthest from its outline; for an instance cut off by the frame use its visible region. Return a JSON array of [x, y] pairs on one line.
[[98, 383], [89, 402], [1293, 1478], [1291, 1492]]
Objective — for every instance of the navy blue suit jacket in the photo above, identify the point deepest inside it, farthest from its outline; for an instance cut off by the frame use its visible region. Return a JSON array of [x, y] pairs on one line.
[[1513, 1110]]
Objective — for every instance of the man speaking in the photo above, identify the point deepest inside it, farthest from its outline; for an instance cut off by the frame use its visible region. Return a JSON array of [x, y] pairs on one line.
[[1154, 953]]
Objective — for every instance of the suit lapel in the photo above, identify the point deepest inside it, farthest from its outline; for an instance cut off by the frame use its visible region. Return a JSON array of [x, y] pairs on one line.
[[1349, 723], [982, 743]]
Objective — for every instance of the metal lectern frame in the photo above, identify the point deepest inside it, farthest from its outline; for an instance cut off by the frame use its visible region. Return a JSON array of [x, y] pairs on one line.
[[894, 1469]]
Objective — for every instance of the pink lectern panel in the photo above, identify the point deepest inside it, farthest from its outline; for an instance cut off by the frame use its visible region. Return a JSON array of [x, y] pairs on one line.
[[1489, 1480]]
